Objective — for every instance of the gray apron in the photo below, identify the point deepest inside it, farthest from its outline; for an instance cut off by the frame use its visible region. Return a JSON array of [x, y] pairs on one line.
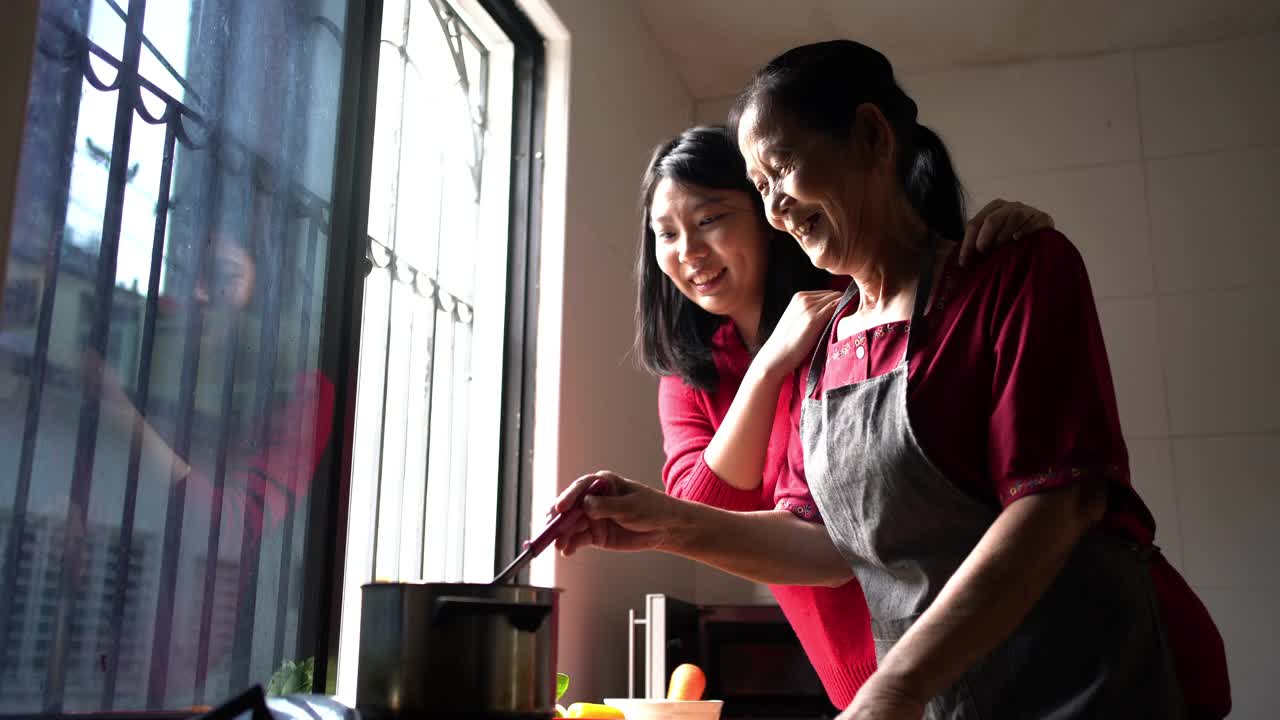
[[1092, 647]]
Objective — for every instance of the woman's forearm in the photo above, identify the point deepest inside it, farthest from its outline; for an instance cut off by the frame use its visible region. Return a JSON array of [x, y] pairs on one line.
[[737, 451], [119, 410], [773, 547], [994, 589]]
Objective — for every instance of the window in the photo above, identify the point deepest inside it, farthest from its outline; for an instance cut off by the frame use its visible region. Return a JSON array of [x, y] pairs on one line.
[[425, 485], [188, 262], [434, 294], [163, 395]]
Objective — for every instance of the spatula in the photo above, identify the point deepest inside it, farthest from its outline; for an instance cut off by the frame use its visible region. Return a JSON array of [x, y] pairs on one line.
[[549, 533]]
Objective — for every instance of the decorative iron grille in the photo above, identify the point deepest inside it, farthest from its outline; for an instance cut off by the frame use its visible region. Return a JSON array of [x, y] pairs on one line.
[[164, 438]]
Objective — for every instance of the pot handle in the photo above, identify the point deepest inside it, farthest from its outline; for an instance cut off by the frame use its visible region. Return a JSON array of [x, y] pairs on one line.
[[522, 616]]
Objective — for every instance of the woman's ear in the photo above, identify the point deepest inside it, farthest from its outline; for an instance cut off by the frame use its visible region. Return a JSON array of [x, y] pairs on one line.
[[873, 136]]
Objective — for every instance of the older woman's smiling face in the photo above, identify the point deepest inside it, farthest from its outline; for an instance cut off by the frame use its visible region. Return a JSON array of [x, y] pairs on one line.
[[815, 188]]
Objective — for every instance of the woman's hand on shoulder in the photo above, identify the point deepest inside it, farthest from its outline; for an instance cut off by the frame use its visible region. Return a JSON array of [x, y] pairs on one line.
[[1001, 221], [797, 331]]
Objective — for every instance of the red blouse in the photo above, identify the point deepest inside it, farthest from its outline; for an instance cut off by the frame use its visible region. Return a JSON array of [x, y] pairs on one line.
[[1010, 394], [833, 624], [261, 488]]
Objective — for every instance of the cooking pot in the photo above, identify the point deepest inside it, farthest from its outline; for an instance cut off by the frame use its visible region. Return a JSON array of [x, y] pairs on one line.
[[456, 650]]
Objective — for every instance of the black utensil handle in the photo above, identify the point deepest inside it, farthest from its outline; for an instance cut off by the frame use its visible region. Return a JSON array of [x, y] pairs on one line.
[[524, 558], [524, 616]]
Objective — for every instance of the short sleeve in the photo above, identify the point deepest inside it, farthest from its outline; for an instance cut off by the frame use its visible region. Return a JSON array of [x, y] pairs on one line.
[[687, 429], [1053, 415], [791, 492]]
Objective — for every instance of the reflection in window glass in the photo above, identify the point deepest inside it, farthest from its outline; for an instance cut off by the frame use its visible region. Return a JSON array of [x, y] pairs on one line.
[[162, 415]]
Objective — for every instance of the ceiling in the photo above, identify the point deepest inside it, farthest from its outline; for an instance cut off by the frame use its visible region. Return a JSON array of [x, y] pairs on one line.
[[716, 44]]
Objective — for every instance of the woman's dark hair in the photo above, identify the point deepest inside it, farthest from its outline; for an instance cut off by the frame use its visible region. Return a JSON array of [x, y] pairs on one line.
[[673, 334], [820, 86]]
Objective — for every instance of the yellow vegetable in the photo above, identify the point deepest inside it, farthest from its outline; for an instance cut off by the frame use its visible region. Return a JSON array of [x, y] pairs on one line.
[[595, 710]]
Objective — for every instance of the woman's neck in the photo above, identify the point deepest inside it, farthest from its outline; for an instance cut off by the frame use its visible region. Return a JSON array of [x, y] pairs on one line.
[[747, 323], [888, 279]]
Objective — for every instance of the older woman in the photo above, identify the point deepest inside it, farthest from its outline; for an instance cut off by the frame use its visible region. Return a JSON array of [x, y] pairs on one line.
[[958, 432], [716, 283]]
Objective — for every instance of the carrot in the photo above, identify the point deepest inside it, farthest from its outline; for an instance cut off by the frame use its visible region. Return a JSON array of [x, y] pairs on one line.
[[688, 682]]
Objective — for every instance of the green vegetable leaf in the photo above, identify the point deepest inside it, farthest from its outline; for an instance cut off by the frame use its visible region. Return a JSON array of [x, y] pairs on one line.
[[292, 678], [562, 685]]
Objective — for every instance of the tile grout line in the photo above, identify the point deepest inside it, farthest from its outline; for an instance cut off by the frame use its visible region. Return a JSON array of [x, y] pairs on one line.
[[1224, 435], [1171, 294], [1142, 161], [1039, 172], [1213, 151]]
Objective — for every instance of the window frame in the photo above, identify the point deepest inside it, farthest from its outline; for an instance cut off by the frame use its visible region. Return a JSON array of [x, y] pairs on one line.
[[340, 316], [340, 337], [515, 468], [17, 47]]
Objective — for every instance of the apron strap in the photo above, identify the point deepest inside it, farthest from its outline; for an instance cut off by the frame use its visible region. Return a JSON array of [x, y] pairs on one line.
[[924, 288], [819, 360]]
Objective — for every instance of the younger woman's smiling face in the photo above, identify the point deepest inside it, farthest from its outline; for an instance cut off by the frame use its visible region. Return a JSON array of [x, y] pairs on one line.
[[713, 245]]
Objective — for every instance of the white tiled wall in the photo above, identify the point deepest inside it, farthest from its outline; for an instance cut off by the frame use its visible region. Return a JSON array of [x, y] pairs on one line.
[[1241, 217], [1151, 468], [1209, 97], [1164, 167], [1019, 119]]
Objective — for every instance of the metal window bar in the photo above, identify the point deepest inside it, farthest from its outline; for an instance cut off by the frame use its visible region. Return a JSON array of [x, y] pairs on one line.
[[144, 390], [264, 383], [432, 345], [87, 435], [176, 506], [286, 550], [430, 381], [402, 50], [175, 510], [426, 318], [218, 146], [223, 446], [416, 418], [454, 472]]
